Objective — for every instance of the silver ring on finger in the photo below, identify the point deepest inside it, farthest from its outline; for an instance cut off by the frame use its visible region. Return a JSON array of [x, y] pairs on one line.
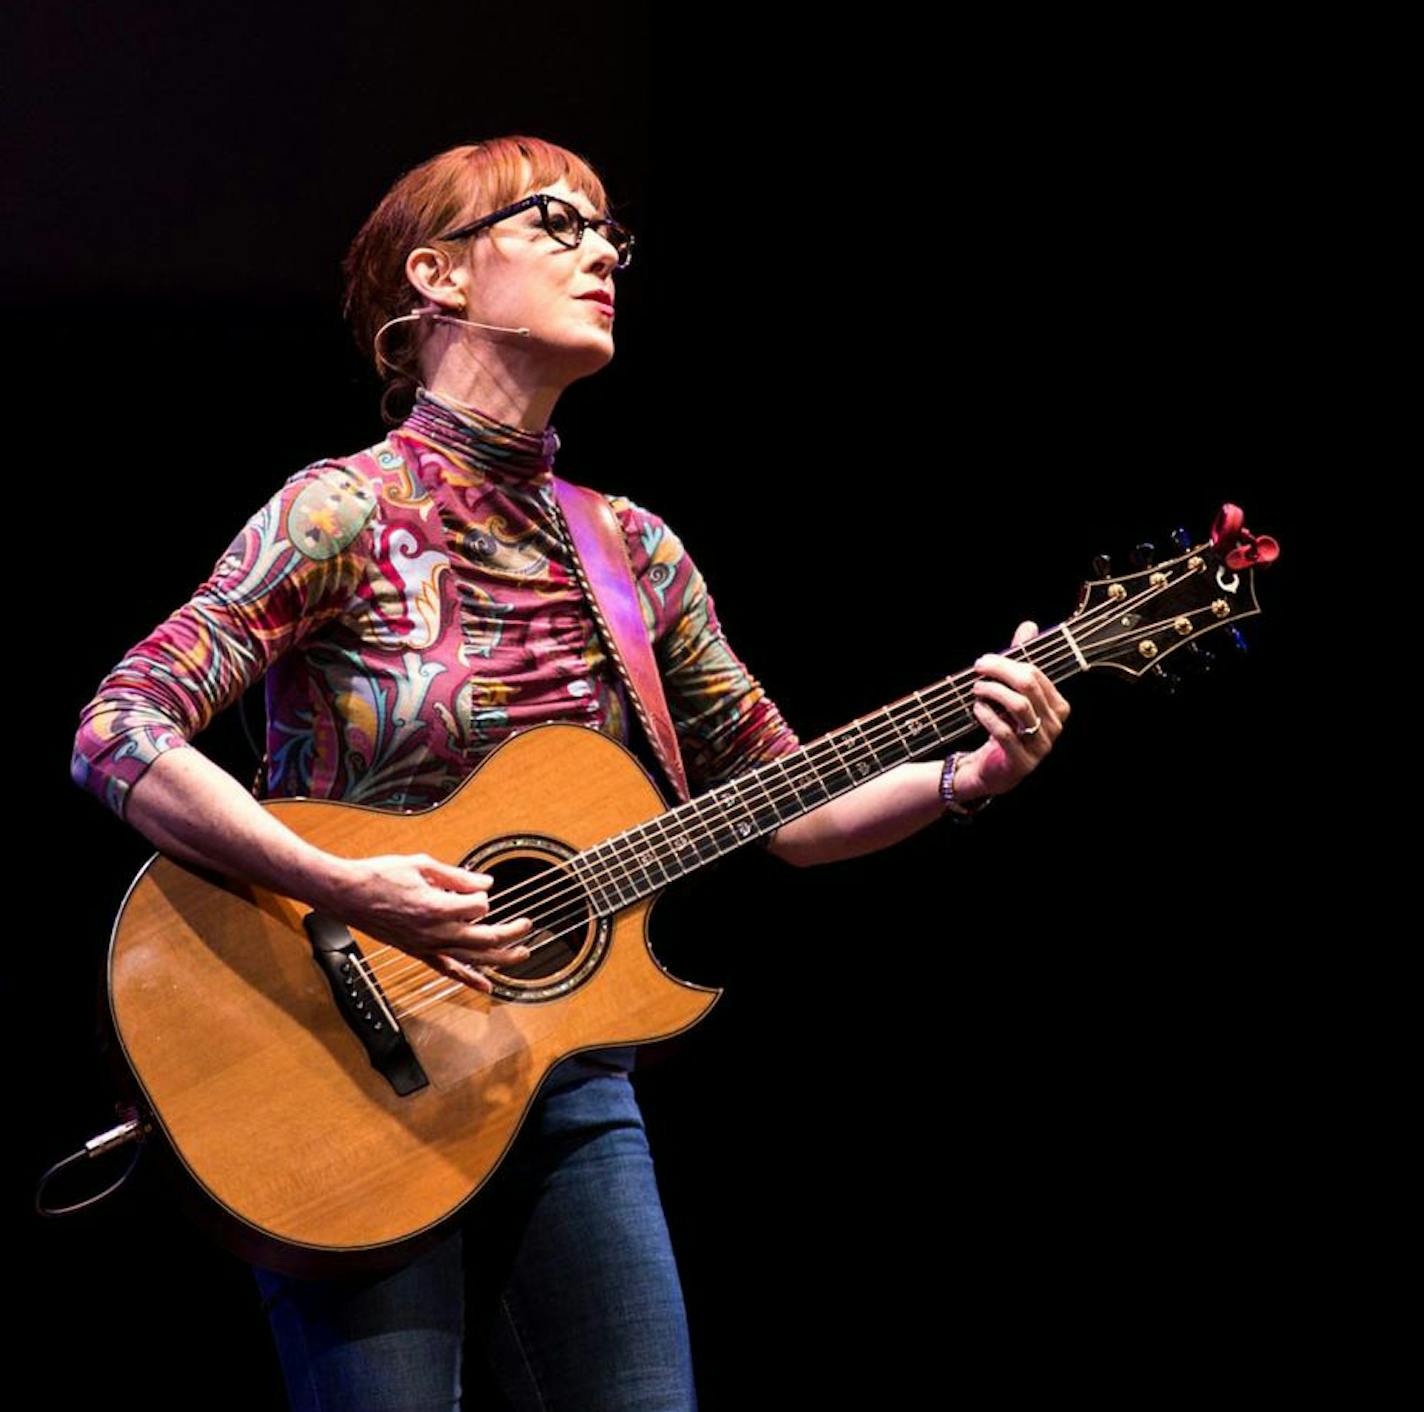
[[1025, 731]]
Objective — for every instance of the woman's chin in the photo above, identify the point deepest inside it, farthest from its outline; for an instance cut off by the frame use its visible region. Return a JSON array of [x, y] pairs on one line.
[[588, 358]]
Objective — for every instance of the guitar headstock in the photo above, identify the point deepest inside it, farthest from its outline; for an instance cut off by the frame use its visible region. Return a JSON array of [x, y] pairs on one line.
[[1135, 621]]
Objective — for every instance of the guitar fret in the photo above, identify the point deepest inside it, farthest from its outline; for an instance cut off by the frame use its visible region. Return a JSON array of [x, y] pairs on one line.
[[746, 808], [919, 733], [796, 774], [702, 835], [964, 707], [680, 845], [888, 749], [587, 878], [889, 714], [859, 769], [751, 824], [932, 724], [617, 873], [1051, 654], [643, 858], [839, 769], [859, 728], [836, 777]]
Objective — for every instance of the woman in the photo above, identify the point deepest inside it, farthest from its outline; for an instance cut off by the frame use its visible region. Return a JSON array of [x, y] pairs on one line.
[[412, 605]]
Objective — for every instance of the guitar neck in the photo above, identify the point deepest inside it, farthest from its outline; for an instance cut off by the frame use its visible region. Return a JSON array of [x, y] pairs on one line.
[[644, 859]]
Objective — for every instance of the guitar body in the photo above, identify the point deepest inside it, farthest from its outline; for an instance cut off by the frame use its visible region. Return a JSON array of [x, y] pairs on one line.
[[310, 1157]]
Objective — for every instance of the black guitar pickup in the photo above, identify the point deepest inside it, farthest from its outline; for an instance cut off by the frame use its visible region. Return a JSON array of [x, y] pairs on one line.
[[362, 1004]]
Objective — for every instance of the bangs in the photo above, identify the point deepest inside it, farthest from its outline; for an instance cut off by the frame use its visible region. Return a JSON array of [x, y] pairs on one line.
[[509, 168]]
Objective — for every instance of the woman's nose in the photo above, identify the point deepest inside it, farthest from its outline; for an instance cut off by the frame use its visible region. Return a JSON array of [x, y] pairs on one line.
[[606, 253]]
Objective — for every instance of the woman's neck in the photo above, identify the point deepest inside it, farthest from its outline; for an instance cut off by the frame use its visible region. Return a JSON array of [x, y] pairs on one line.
[[503, 385]]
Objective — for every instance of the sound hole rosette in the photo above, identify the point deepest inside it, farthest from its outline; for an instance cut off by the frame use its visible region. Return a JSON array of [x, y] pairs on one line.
[[569, 939]]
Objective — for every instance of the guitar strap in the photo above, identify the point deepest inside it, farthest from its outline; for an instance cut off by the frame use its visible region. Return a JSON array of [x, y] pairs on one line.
[[606, 577]]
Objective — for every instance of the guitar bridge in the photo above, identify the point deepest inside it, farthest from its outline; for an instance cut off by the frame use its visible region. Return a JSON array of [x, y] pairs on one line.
[[362, 1004]]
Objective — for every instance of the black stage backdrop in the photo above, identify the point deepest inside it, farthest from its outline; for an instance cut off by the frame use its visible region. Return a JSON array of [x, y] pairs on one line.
[[917, 325]]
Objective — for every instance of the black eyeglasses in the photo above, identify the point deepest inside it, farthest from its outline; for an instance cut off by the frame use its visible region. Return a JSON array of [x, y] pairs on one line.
[[562, 219]]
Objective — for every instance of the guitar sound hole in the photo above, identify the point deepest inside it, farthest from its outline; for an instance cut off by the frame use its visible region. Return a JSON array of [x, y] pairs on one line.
[[566, 938]]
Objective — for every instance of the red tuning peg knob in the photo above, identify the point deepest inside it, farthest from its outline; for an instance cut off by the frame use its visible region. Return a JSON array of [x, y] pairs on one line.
[[1240, 548]]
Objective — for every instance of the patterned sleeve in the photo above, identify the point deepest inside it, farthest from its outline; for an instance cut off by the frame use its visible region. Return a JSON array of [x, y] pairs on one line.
[[725, 721], [292, 566]]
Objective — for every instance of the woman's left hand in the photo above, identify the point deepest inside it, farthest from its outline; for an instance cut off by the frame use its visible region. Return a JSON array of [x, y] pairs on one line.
[[1026, 717]]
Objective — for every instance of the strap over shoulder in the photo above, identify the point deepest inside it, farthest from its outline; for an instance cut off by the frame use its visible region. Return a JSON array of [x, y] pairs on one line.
[[606, 577]]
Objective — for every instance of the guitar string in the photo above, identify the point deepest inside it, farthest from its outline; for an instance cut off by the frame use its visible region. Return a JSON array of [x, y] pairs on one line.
[[517, 900]]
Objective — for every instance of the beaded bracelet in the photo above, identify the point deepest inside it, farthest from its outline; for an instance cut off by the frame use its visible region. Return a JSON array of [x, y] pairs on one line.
[[961, 813]]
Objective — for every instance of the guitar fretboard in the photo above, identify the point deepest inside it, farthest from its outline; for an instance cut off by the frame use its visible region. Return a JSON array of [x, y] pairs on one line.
[[644, 859]]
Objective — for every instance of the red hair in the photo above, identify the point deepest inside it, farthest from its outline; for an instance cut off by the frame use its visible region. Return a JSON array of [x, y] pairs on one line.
[[449, 190]]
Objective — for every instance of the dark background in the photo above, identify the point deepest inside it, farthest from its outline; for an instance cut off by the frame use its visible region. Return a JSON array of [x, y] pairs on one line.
[[916, 325]]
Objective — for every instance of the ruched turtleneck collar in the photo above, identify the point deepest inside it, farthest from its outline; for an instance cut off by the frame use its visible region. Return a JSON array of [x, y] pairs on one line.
[[494, 447]]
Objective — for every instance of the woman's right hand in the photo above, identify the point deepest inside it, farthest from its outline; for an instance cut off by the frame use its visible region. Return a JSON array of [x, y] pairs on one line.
[[194, 811], [431, 910]]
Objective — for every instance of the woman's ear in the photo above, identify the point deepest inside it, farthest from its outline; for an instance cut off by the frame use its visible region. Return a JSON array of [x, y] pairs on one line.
[[439, 284]]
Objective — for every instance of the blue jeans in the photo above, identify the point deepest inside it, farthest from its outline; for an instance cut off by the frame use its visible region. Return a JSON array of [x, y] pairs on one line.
[[561, 1278]]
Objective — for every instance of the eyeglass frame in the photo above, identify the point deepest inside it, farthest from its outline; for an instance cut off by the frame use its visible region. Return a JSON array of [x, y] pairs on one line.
[[541, 199]]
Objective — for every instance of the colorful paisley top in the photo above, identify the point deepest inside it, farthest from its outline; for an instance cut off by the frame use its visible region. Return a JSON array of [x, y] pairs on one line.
[[413, 605]]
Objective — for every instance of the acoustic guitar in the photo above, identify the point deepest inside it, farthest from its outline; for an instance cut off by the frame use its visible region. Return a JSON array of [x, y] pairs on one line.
[[336, 1102]]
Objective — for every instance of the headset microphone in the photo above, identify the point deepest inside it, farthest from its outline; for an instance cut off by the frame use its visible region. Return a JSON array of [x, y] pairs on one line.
[[470, 323], [429, 313]]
